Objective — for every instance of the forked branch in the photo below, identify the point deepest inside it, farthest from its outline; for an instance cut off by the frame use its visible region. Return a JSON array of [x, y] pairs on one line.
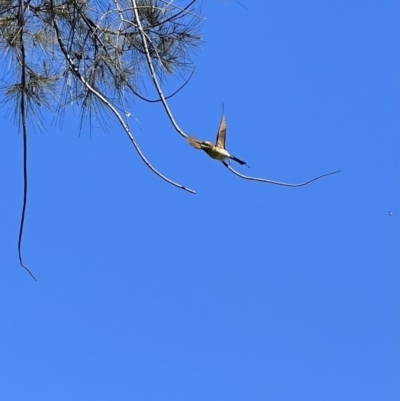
[[107, 103]]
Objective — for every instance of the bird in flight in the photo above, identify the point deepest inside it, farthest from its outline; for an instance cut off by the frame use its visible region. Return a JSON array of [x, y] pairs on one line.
[[217, 151]]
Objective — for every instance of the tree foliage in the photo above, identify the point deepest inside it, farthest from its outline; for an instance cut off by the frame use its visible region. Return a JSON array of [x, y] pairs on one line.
[[95, 54], [66, 42], [92, 53]]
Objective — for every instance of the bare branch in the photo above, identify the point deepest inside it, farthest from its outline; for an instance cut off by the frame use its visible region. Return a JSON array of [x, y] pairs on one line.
[[100, 96], [182, 9], [24, 132], [153, 73], [166, 97], [93, 28], [285, 184]]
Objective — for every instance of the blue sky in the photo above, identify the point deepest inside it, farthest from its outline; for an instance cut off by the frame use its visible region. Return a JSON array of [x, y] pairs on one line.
[[244, 291]]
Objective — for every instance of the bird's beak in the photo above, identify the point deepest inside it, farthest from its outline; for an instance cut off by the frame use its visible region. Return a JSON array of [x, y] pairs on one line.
[[194, 142]]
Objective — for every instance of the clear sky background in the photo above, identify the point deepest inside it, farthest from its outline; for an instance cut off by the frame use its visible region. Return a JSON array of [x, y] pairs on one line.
[[244, 291]]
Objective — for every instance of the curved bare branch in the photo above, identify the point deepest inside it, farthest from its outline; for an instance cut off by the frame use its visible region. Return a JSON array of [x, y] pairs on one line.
[[24, 133], [93, 29], [75, 70], [167, 97], [153, 72], [285, 184]]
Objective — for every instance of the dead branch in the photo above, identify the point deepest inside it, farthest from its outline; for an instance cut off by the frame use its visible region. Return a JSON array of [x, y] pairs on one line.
[[24, 131], [285, 184], [108, 104], [153, 72]]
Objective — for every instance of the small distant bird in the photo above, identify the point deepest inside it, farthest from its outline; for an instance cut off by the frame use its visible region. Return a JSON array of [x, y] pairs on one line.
[[217, 151]]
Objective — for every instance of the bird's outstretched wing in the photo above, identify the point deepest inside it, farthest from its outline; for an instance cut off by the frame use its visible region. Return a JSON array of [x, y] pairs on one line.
[[194, 142], [221, 133]]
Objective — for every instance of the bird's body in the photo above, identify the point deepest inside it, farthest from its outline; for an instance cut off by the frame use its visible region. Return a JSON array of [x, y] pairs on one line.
[[217, 151], [214, 151]]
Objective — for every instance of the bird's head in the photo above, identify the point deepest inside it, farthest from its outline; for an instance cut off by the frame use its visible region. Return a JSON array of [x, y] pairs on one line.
[[206, 145]]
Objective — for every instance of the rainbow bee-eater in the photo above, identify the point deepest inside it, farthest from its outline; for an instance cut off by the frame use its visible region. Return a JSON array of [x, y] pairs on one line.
[[217, 151]]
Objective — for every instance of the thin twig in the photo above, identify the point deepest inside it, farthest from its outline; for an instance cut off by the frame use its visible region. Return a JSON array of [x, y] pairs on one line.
[[175, 16], [92, 27], [167, 97], [237, 1], [75, 70], [24, 133], [285, 184], [182, 10], [153, 72]]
